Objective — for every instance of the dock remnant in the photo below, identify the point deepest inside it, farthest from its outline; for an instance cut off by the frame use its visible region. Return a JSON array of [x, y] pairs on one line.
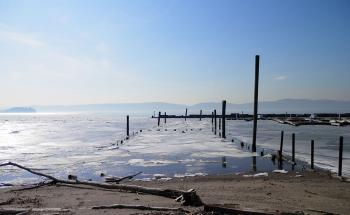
[[312, 153], [281, 147], [200, 115], [159, 118], [215, 121], [127, 125], [186, 114], [293, 147], [223, 113], [256, 92], [340, 165]]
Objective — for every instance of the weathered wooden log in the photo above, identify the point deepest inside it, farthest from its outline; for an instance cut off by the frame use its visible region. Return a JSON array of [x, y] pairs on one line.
[[118, 180], [35, 210], [190, 197], [138, 207]]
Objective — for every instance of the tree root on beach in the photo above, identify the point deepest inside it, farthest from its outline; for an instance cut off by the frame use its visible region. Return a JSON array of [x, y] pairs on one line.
[[188, 197], [138, 207]]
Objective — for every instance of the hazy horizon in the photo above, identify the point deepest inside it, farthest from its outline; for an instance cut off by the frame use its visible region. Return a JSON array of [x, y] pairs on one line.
[[174, 103], [183, 52]]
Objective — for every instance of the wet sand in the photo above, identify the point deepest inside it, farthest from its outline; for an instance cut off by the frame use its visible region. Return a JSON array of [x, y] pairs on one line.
[[310, 192]]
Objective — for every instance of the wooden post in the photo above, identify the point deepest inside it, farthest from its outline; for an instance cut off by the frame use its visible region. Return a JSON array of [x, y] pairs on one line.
[[223, 112], [186, 114], [215, 121], [254, 164], [127, 125], [200, 115], [165, 117], [281, 143], [159, 118], [293, 148], [219, 123], [212, 121], [312, 154], [256, 92], [340, 165]]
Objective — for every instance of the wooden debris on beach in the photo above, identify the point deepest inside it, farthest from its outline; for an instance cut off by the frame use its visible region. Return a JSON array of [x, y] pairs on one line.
[[189, 197], [138, 207], [8, 211], [117, 180]]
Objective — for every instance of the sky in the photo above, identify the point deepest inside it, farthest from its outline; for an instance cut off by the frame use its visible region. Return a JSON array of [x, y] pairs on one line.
[[178, 51]]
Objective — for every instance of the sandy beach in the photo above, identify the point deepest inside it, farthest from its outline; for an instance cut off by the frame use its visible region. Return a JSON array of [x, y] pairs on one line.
[[307, 192]]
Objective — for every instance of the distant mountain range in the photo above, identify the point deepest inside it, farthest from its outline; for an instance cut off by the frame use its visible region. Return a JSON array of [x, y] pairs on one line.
[[19, 110], [279, 106]]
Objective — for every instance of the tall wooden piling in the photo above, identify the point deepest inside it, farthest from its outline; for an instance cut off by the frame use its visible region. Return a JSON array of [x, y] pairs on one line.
[[215, 121], [281, 147], [212, 121], [312, 153], [254, 164], [127, 125], [159, 118], [256, 92], [200, 115], [281, 143], [340, 165], [165, 117], [186, 114], [219, 124], [223, 133], [293, 148]]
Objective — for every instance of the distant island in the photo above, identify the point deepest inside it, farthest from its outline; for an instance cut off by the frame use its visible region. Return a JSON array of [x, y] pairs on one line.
[[19, 110]]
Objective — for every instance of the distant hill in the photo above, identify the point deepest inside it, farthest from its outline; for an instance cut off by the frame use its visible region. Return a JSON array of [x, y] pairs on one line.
[[279, 106], [19, 110], [284, 105]]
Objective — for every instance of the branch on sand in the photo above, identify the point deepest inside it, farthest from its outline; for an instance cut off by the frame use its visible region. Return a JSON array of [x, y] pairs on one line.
[[138, 207], [118, 180], [188, 197]]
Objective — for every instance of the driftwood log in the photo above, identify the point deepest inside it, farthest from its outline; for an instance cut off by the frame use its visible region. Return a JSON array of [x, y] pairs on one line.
[[118, 180], [138, 207], [28, 210], [189, 197]]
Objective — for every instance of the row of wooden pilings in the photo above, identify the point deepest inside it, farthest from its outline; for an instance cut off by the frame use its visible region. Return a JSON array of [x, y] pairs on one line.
[[222, 121], [312, 152]]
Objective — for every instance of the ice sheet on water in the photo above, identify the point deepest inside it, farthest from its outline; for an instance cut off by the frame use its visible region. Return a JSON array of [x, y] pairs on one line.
[[142, 162], [189, 175], [280, 171], [263, 174]]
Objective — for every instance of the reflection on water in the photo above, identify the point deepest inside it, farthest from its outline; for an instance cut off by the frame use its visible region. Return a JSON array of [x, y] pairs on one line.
[[88, 144]]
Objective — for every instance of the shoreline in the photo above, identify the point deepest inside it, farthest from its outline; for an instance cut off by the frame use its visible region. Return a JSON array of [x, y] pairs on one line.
[[305, 191]]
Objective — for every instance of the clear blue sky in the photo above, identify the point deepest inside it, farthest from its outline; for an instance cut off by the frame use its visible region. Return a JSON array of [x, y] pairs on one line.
[[189, 51]]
